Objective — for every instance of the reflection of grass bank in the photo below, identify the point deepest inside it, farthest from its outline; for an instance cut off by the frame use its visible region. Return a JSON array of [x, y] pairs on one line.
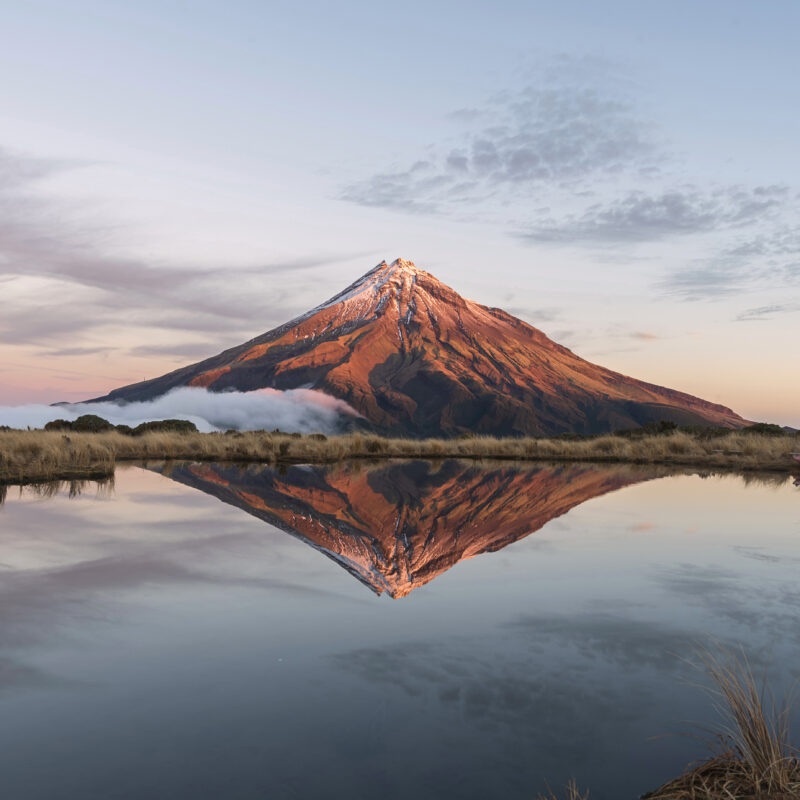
[[72, 487], [42, 455]]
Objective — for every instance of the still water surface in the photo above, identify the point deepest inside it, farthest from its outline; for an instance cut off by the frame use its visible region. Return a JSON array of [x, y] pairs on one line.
[[393, 631]]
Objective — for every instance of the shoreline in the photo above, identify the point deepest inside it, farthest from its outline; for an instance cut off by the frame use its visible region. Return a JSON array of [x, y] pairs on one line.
[[36, 456]]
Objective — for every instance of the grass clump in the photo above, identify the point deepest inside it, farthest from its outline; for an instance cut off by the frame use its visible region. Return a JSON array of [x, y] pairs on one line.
[[572, 792], [91, 423], [88, 423], [753, 758], [161, 426], [58, 425]]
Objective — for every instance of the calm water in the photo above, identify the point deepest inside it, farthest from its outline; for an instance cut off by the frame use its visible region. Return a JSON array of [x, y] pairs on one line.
[[341, 633]]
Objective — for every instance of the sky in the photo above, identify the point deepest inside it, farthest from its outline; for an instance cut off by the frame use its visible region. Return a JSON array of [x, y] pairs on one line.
[[178, 177]]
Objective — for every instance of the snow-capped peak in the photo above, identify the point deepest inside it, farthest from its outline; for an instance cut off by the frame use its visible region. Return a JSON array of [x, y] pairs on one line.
[[403, 264]]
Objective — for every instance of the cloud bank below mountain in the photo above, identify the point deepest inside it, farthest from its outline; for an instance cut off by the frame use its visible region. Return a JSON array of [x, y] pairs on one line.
[[295, 410]]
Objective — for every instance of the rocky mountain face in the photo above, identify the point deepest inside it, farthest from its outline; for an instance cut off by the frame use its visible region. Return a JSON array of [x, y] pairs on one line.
[[399, 525], [415, 358]]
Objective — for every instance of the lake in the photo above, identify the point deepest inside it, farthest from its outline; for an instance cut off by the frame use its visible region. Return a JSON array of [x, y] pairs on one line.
[[393, 630]]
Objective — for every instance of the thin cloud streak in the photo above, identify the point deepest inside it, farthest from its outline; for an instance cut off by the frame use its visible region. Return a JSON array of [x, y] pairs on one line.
[[189, 350], [67, 262], [639, 216], [77, 351], [756, 263], [764, 313], [704, 282]]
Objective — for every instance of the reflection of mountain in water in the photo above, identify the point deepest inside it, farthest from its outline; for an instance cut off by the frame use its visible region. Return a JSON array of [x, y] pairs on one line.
[[398, 525]]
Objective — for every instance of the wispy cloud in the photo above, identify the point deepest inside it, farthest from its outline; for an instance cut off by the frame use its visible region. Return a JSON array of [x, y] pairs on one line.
[[705, 282], [17, 169], [762, 313], [76, 281], [534, 315], [77, 351], [573, 159], [178, 350], [576, 158], [566, 129], [782, 241], [767, 259], [640, 216]]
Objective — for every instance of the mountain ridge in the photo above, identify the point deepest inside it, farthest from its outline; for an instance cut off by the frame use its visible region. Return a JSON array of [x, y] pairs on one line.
[[414, 357]]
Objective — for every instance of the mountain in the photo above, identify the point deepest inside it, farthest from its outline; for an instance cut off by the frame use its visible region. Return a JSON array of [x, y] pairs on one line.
[[398, 526], [415, 358]]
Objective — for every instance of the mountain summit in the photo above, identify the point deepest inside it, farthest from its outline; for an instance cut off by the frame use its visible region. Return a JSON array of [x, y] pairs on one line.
[[415, 358]]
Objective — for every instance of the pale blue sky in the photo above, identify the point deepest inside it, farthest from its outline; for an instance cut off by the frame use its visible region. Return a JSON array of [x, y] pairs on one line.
[[177, 177]]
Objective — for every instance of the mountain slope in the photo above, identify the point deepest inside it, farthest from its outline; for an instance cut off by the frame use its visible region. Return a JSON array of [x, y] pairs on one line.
[[398, 526], [415, 358]]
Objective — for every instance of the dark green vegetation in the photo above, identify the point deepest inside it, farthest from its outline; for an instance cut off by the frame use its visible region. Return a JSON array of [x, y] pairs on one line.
[[91, 423]]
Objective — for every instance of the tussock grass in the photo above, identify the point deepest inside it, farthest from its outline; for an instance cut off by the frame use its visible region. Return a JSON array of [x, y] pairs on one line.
[[753, 757], [45, 455], [572, 793]]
